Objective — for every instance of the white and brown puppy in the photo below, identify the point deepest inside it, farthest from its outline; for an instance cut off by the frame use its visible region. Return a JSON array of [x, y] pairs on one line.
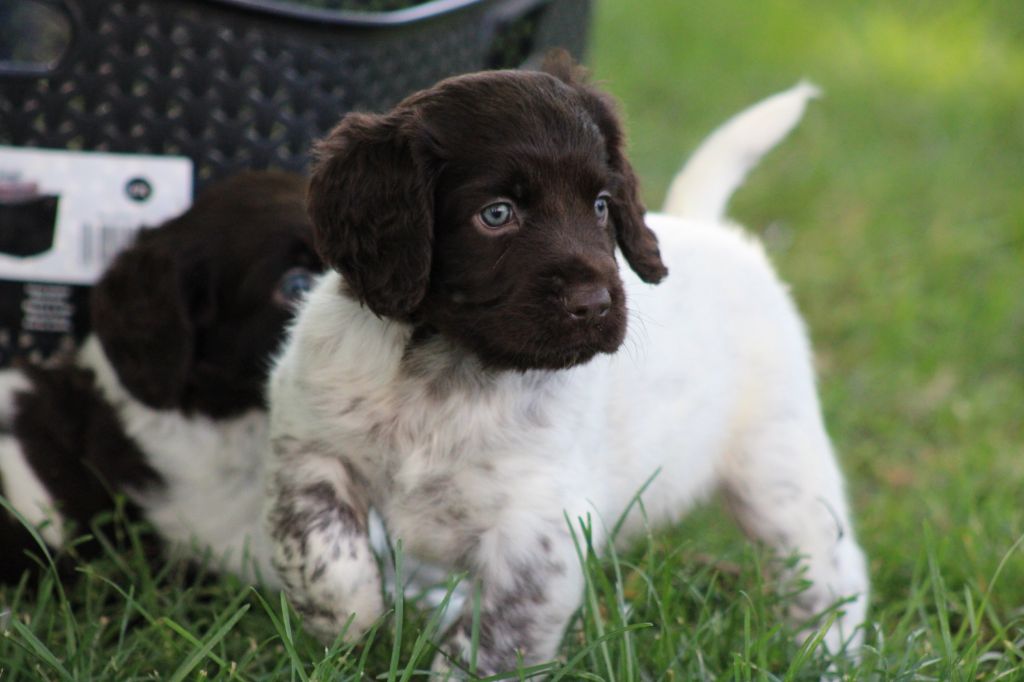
[[164, 403], [467, 369]]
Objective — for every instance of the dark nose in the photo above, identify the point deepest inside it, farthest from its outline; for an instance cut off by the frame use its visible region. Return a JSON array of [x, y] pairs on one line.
[[587, 301]]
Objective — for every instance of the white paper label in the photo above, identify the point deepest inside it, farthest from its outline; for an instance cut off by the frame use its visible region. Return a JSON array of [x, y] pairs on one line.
[[64, 215]]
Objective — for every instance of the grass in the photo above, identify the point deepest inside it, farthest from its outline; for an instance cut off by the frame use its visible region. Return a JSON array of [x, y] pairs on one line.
[[896, 212]]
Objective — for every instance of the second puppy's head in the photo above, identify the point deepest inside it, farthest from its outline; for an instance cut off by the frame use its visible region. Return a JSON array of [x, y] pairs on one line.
[[190, 314], [489, 208]]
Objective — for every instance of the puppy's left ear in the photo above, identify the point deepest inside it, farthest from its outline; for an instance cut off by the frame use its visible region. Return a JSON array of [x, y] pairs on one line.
[[639, 245], [146, 311], [372, 211]]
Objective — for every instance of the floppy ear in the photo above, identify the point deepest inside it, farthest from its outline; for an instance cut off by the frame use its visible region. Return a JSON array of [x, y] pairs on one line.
[[372, 212], [638, 244], [145, 310]]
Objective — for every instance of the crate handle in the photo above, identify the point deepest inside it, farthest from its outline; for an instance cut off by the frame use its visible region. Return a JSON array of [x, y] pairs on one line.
[[71, 17], [351, 18]]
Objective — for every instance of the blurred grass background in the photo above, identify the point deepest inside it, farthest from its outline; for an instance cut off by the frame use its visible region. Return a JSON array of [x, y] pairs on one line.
[[896, 213]]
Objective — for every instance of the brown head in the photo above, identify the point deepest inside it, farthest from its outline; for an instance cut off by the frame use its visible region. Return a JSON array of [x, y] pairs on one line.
[[489, 208], [190, 314]]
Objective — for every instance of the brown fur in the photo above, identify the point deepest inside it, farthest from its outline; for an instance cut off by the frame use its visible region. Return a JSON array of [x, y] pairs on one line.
[[187, 315], [396, 202]]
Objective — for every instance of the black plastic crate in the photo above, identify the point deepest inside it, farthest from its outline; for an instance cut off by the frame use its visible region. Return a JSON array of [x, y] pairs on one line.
[[236, 84], [230, 84]]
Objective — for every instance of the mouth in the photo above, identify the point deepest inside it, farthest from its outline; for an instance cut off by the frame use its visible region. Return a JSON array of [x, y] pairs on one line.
[[553, 347], [530, 332], [565, 358]]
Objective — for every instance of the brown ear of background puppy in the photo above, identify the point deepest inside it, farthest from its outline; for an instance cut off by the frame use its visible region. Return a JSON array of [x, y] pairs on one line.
[[187, 316]]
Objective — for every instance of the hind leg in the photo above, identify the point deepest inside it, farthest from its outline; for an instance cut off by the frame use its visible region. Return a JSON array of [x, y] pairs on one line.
[[785, 489]]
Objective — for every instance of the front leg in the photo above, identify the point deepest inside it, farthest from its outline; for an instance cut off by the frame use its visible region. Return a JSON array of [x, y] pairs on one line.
[[531, 583], [317, 523]]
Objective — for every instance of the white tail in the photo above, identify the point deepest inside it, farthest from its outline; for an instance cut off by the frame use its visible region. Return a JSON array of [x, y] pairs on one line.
[[702, 189]]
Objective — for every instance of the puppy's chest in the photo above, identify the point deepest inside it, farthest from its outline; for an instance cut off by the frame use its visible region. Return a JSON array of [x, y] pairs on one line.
[[407, 425], [442, 469], [441, 510], [438, 507]]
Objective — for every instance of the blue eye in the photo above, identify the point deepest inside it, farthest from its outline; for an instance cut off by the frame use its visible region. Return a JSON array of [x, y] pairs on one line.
[[601, 207], [497, 214], [292, 286]]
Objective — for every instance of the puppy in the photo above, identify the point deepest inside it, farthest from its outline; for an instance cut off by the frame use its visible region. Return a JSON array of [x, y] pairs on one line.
[[467, 368], [164, 403]]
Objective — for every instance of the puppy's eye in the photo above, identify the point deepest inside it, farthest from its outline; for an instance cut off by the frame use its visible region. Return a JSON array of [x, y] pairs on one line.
[[601, 207], [292, 286], [497, 214]]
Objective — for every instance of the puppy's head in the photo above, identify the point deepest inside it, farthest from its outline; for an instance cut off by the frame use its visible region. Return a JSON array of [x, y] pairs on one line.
[[190, 314], [489, 208]]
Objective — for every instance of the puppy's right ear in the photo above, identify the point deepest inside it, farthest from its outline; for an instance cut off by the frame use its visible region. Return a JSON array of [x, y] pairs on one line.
[[372, 212], [638, 243], [145, 311]]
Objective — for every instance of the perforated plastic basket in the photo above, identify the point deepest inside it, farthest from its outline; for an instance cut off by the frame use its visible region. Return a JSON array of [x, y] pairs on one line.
[[238, 84], [230, 84]]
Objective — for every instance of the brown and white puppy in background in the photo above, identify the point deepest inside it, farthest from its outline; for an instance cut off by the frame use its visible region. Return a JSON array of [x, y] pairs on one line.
[[164, 402]]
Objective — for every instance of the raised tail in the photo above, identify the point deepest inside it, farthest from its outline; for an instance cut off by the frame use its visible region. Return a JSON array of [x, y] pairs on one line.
[[702, 189]]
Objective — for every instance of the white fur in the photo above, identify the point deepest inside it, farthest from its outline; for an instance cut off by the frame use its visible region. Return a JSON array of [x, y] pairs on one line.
[[210, 506], [702, 189], [18, 482], [26, 493], [713, 389], [12, 382]]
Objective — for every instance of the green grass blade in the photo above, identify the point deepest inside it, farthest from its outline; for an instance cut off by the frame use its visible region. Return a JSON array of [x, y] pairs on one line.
[[41, 651], [203, 651]]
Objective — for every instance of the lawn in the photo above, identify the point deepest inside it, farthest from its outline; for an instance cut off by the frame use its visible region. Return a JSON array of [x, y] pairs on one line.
[[896, 213]]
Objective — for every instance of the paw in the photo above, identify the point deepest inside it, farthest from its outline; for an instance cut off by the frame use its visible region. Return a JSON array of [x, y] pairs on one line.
[[336, 590], [451, 661], [844, 580], [351, 620]]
